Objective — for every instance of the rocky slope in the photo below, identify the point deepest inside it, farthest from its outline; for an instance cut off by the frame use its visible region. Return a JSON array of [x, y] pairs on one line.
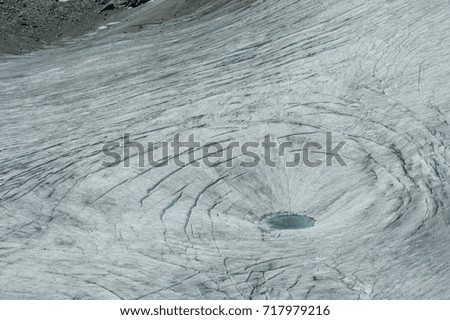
[[28, 25]]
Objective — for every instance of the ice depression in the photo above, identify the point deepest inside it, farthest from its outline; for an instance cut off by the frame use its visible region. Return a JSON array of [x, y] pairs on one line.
[[374, 74]]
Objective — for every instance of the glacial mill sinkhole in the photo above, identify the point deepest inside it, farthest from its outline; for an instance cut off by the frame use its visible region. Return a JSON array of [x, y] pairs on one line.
[[290, 221]]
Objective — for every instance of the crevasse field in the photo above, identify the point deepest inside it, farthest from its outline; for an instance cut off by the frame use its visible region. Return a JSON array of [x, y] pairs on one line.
[[373, 73]]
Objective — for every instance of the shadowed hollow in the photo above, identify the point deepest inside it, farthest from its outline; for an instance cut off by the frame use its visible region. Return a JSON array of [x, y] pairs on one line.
[[290, 221]]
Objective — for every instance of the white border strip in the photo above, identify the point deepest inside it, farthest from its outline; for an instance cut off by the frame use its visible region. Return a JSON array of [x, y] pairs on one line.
[[345, 310]]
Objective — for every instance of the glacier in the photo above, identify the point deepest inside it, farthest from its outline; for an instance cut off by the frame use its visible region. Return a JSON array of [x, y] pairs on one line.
[[373, 73]]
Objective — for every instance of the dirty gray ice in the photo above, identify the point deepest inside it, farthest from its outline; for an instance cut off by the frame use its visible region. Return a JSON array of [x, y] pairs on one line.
[[374, 73]]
